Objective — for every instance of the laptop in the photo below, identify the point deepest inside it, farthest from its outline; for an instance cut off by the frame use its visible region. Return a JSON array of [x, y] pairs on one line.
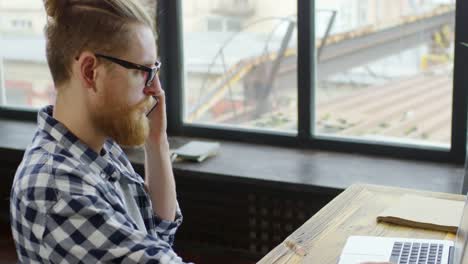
[[408, 251]]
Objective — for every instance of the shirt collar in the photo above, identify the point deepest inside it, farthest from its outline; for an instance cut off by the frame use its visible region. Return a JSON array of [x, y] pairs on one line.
[[75, 146]]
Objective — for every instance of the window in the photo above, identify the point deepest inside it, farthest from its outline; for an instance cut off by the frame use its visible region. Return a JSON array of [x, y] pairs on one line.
[[21, 24], [22, 50], [25, 80], [222, 24], [242, 71], [394, 86], [380, 79], [377, 77], [363, 7], [233, 25], [214, 24]]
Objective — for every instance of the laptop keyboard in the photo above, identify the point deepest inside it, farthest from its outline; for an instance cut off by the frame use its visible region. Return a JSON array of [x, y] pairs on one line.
[[416, 253]]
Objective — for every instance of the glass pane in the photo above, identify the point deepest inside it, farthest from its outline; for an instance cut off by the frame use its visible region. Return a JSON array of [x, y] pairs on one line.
[[240, 60], [384, 70], [25, 80]]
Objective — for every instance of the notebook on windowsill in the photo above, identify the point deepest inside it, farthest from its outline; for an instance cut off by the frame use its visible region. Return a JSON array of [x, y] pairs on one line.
[[196, 151]]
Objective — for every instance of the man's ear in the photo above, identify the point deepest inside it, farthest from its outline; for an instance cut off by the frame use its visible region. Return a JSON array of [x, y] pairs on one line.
[[87, 64]]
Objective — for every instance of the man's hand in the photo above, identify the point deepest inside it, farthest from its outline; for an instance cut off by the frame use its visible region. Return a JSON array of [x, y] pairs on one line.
[[157, 117], [159, 177]]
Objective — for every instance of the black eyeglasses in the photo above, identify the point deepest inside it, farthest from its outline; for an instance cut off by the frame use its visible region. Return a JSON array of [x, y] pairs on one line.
[[130, 65]]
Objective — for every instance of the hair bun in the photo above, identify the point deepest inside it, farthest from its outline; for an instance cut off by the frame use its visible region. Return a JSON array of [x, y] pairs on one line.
[[55, 8]]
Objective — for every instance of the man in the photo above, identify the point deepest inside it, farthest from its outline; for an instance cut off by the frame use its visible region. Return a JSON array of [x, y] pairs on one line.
[[75, 196]]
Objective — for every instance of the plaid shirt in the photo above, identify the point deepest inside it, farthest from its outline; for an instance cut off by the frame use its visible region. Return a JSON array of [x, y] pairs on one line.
[[64, 207]]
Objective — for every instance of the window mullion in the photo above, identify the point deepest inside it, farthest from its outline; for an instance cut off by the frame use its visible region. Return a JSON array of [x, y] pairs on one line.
[[459, 109], [306, 75]]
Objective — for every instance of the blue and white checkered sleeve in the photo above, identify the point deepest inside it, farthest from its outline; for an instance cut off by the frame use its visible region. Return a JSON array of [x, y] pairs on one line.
[[87, 229], [167, 229], [164, 229]]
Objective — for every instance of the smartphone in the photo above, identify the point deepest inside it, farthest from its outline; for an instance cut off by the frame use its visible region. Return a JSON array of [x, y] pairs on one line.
[[154, 106]]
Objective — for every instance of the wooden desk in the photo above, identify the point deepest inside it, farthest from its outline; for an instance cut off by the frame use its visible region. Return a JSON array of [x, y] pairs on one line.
[[353, 212]]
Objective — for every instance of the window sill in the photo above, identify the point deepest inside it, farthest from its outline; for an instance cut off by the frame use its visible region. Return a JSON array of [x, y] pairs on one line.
[[279, 166]]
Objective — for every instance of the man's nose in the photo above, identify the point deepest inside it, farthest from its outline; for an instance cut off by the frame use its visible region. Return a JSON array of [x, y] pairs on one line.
[[153, 88]]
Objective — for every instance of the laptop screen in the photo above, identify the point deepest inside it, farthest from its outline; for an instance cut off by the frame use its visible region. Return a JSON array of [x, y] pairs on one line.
[[460, 253]]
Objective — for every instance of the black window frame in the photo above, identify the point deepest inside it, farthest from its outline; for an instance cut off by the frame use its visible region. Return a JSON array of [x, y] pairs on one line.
[[171, 47], [170, 41]]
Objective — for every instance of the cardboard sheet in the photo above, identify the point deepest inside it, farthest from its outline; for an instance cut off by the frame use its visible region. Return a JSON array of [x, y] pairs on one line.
[[425, 212]]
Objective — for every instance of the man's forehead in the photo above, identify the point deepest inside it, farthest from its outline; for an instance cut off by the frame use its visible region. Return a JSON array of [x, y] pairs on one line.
[[142, 45]]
